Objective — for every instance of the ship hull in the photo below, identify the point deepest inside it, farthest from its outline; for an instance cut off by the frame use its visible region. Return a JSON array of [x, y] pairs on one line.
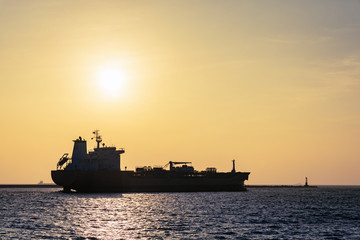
[[127, 181]]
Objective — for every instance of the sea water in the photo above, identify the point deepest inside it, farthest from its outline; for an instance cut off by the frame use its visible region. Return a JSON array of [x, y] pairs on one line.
[[259, 213]]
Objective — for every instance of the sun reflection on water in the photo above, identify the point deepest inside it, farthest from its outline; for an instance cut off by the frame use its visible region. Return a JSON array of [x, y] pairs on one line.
[[256, 214]]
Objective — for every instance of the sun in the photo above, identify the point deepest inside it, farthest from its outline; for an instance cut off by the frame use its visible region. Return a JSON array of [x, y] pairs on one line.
[[111, 80]]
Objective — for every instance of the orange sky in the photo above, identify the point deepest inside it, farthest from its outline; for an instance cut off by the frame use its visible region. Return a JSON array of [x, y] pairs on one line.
[[272, 84]]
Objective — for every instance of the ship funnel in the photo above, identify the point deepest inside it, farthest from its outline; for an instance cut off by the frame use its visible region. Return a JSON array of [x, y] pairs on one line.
[[79, 151]]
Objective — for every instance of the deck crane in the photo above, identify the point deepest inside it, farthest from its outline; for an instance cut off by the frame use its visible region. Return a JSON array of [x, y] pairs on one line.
[[183, 169], [171, 163]]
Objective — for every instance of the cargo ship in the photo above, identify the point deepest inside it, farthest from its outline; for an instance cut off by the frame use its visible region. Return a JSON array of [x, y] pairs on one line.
[[99, 171]]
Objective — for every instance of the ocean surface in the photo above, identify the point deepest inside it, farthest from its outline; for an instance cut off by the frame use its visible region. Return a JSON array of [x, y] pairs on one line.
[[259, 213]]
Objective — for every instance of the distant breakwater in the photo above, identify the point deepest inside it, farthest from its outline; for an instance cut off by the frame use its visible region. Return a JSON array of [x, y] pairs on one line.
[[29, 186], [279, 186]]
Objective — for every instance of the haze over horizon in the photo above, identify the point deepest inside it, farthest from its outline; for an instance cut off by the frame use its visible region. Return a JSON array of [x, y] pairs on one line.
[[274, 85]]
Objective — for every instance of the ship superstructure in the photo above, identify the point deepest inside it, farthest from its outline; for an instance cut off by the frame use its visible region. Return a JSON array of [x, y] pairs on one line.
[[100, 171], [102, 158]]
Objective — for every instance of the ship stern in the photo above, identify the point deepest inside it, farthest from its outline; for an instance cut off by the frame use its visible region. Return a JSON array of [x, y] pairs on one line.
[[64, 178]]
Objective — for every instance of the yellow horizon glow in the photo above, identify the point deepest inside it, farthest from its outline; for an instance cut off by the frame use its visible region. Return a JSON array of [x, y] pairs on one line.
[[273, 86]]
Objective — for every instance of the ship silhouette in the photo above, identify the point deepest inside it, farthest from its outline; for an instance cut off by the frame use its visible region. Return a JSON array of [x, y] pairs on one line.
[[99, 171]]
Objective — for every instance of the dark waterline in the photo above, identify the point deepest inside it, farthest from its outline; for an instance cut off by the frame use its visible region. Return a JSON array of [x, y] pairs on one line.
[[46, 185]]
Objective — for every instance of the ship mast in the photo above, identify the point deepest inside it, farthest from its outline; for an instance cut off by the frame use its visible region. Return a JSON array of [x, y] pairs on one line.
[[97, 138]]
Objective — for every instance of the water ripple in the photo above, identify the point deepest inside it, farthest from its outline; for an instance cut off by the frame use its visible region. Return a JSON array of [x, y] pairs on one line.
[[260, 213]]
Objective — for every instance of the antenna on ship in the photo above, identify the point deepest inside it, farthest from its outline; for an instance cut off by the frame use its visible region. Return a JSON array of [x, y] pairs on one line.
[[233, 170], [97, 138]]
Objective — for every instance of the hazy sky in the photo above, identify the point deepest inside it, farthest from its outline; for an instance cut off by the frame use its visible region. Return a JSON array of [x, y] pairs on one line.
[[272, 84]]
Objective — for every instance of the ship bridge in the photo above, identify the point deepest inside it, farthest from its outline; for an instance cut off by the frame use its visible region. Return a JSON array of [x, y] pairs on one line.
[[101, 158]]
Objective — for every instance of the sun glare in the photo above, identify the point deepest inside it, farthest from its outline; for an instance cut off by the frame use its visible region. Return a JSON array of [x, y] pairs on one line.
[[111, 81]]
